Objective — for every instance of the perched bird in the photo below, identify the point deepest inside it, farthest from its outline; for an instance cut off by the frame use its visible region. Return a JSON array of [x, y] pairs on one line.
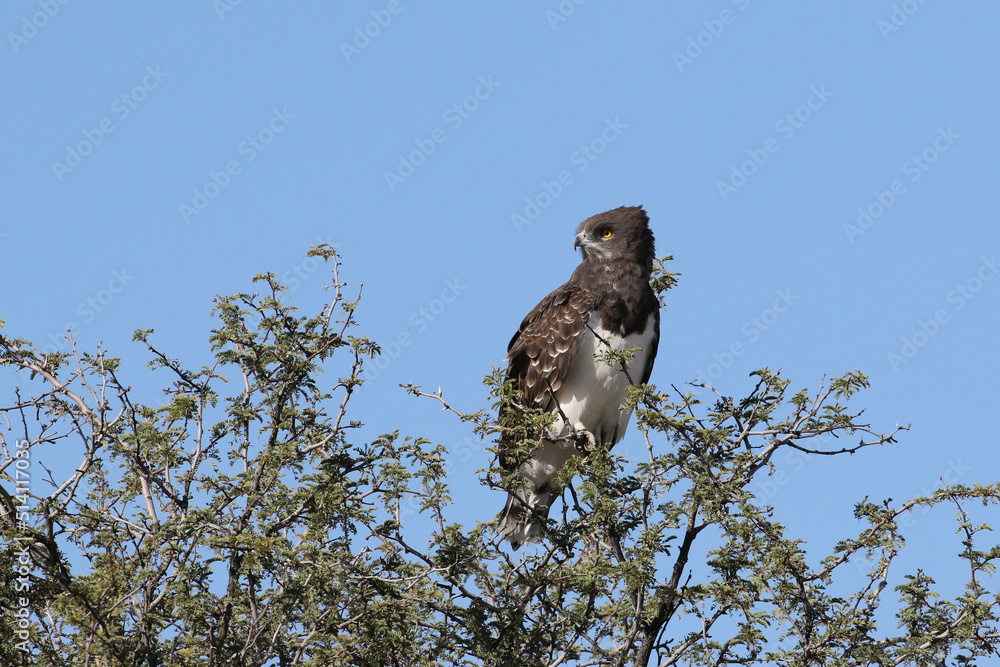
[[558, 360]]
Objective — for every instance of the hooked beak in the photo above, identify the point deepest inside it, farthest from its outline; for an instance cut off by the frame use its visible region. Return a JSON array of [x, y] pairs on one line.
[[581, 240]]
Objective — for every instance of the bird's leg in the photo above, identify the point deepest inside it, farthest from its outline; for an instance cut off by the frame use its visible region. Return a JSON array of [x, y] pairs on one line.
[[583, 439]]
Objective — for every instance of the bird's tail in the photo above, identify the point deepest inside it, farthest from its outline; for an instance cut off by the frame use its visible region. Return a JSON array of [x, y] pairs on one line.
[[521, 519]]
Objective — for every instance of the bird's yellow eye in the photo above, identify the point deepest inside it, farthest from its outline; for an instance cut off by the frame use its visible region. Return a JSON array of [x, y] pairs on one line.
[[607, 233]]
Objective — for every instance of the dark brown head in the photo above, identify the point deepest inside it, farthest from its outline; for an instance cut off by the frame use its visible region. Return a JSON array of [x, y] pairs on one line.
[[621, 234]]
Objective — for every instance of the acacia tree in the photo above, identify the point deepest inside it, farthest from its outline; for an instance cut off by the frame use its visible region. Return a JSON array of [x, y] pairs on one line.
[[241, 522]]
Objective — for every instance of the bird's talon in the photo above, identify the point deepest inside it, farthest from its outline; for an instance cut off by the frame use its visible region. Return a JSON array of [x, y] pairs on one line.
[[585, 442]]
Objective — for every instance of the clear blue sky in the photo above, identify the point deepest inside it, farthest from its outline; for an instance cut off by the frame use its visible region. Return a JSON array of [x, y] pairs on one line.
[[824, 173]]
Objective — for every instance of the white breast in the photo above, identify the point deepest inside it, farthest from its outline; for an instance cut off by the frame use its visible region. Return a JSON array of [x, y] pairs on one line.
[[594, 391]]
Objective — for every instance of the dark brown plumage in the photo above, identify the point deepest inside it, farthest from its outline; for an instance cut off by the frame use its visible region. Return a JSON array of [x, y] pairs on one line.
[[606, 302]]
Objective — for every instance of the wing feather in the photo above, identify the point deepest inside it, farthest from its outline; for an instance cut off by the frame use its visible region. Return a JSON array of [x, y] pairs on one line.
[[542, 351], [654, 343]]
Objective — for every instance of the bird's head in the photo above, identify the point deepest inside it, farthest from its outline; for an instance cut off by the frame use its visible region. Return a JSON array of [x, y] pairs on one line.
[[619, 234]]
